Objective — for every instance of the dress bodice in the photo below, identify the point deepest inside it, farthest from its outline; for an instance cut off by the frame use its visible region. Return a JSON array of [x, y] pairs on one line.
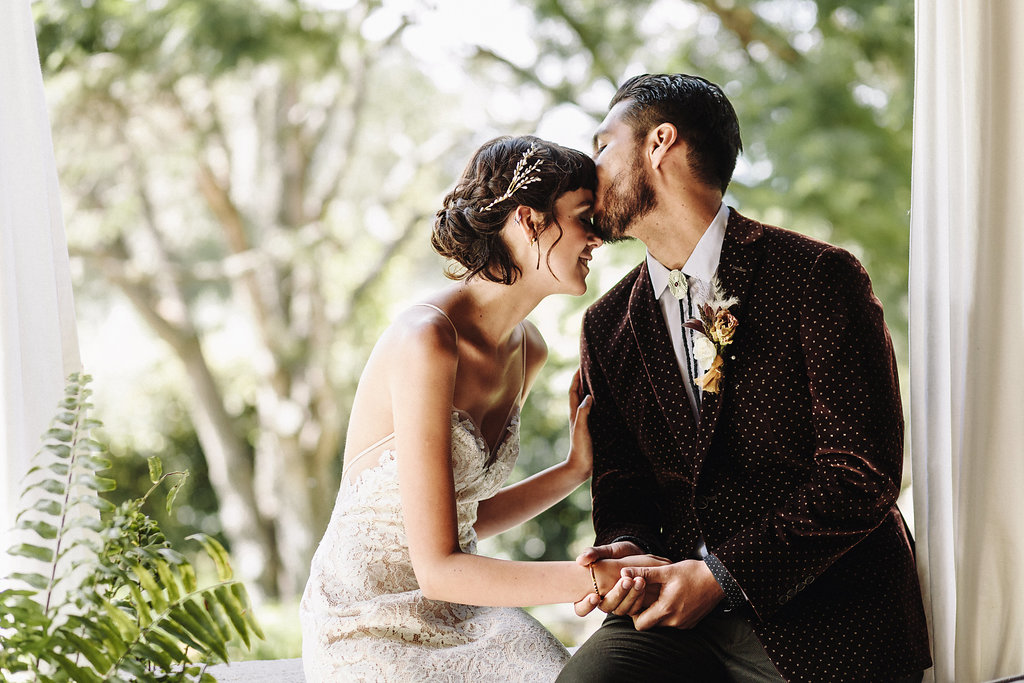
[[374, 494], [363, 615]]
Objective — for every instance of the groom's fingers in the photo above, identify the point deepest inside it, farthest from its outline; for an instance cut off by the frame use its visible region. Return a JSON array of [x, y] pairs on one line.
[[611, 551], [650, 574], [650, 617]]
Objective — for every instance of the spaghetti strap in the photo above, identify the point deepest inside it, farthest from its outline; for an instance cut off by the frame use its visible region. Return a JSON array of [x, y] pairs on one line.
[[455, 329], [522, 389], [369, 449]]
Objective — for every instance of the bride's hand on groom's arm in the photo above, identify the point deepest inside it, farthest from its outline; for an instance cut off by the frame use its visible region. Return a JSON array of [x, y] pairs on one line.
[[581, 448]]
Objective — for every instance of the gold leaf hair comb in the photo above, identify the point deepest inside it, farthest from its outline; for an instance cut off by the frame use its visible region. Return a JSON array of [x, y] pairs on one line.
[[521, 177]]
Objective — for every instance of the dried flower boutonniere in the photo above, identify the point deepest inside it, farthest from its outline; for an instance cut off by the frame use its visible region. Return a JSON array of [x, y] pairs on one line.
[[716, 326]]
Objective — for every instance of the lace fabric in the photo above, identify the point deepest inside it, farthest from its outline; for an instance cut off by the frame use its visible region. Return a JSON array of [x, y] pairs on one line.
[[363, 615]]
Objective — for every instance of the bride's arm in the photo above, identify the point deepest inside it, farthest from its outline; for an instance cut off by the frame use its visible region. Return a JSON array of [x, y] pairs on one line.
[[524, 500], [422, 385]]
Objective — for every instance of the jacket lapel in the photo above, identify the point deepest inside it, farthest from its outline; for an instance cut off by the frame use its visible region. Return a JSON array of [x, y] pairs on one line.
[[659, 360], [741, 257]]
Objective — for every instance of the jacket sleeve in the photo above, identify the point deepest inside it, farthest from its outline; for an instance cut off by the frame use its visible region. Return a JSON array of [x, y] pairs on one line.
[[623, 486], [853, 480]]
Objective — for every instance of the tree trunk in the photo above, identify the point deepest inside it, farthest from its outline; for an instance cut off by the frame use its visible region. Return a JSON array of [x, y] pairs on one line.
[[294, 490], [231, 473], [228, 455]]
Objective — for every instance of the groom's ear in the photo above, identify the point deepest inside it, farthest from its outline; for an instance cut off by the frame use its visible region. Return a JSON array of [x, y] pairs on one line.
[[660, 141]]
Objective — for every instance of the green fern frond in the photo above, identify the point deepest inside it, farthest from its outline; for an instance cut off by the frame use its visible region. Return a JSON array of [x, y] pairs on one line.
[[134, 609]]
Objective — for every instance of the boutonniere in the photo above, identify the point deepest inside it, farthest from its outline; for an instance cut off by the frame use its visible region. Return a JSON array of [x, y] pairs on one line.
[[716, 326]]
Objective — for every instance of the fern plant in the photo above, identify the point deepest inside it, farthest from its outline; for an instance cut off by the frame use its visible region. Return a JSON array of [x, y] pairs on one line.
[[113, 601]]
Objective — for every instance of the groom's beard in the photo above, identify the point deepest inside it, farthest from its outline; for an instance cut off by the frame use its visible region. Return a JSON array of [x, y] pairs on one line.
[[629, 197]]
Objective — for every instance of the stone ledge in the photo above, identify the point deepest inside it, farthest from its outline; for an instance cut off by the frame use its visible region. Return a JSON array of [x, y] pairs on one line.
[[266, 671], [260, 671], [290, 671]]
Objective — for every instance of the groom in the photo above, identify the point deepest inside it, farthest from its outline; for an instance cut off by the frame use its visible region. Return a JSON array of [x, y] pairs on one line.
[[759, 449]]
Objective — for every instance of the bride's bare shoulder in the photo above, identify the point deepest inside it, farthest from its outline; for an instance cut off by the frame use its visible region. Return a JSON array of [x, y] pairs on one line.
[[536, 347], [536, 353], [420, 332]]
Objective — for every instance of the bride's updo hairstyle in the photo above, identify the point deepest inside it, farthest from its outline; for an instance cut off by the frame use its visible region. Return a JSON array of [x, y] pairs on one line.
[[467, 229]]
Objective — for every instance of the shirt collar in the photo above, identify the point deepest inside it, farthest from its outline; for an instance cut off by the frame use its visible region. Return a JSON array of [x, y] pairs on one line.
[[703, 261]]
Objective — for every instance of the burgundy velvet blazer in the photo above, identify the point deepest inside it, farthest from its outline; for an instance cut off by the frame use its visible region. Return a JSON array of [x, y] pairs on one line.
[[792, 474]]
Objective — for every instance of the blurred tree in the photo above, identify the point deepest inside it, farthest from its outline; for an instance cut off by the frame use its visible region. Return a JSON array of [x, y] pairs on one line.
[[239, 172], [249, 175]]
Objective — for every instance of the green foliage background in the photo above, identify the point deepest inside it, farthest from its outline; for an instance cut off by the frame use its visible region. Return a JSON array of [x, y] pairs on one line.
[[252, 184]]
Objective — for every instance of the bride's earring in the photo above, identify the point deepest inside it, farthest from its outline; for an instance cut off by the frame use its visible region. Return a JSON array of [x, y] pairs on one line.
[[534, 241]]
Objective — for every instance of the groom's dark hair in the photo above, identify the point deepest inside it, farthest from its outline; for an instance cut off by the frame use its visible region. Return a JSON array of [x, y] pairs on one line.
[[701, 113]]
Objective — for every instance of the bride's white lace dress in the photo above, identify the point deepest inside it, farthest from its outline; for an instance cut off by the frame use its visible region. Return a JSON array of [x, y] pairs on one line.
[[363, 615]]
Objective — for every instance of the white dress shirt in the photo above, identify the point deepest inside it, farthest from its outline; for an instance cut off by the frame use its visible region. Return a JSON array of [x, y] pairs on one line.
[[701, 266]]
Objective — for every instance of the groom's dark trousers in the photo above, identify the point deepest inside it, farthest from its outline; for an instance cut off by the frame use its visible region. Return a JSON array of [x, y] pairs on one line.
[[791, 473], [721, 648]]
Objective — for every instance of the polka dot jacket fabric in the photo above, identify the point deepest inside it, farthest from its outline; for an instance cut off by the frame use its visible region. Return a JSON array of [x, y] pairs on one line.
[[792, 474]]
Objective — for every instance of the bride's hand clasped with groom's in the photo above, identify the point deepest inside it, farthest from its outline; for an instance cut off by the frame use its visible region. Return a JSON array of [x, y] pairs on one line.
[[653, 593], [619, 594]]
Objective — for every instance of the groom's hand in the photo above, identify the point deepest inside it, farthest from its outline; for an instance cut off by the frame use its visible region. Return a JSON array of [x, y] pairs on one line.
[[688, 594], [612, 551]]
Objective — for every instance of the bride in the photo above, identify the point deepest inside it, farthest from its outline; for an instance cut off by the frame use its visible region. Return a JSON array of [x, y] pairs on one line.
[[396, 592]]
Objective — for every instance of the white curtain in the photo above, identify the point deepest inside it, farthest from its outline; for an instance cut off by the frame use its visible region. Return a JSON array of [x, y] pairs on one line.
[[967, 332], [38, 341]]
